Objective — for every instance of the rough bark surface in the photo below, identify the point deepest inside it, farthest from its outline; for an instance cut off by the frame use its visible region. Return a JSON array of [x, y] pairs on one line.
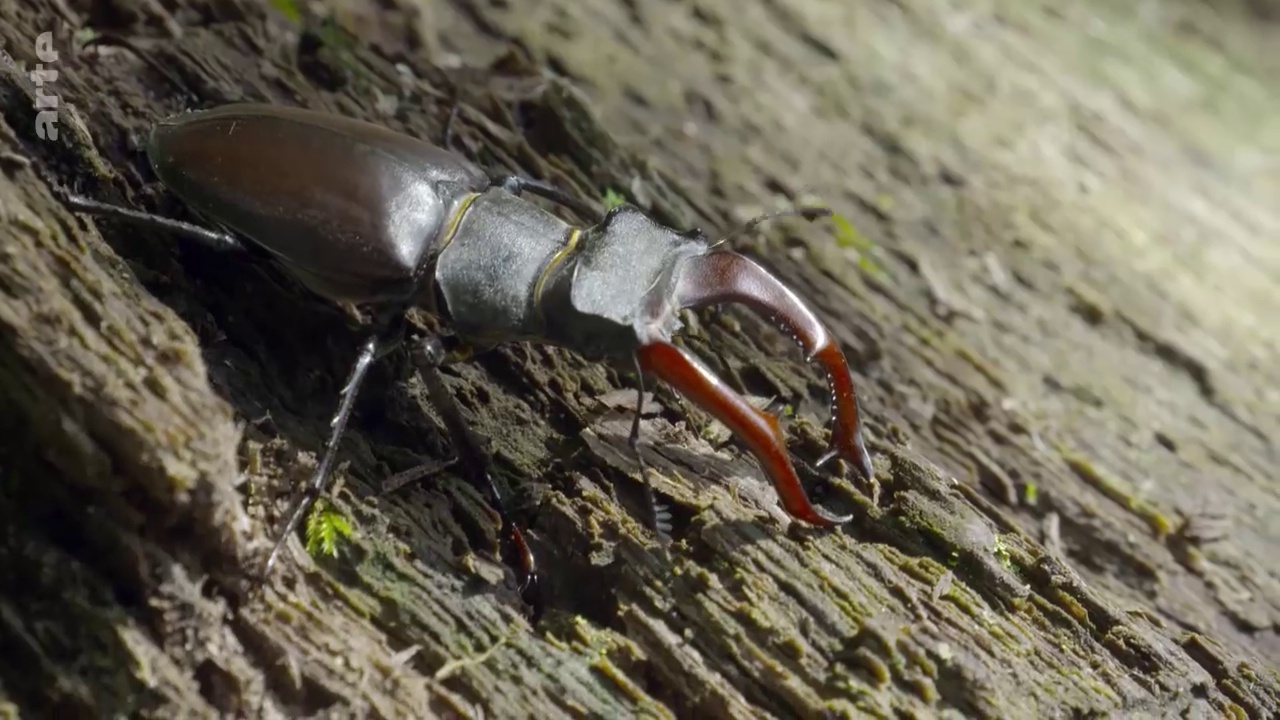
[[1057, 287]]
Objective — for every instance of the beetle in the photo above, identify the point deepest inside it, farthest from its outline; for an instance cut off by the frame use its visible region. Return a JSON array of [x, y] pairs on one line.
[[363, 215]]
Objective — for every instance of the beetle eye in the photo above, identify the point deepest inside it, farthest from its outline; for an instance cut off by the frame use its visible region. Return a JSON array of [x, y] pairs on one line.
[[694, 234]]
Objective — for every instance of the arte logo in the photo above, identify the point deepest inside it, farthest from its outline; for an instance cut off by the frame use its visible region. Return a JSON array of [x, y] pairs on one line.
[[44, 77]]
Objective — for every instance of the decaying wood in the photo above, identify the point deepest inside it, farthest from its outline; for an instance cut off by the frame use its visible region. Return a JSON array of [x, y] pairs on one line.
[[1077, 470]]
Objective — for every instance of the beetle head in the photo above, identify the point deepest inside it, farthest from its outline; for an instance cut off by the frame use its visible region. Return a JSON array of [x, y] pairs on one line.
[[718, 277]]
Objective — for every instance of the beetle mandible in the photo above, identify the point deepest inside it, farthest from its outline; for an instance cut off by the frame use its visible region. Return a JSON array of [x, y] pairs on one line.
[[367, 216]]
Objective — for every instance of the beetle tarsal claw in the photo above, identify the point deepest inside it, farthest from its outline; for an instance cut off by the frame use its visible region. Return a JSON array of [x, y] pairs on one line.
[[760, 431], [727, 277]]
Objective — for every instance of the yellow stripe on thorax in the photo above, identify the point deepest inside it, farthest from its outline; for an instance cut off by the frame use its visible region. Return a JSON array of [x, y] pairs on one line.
[[556, 261], [451, 230]]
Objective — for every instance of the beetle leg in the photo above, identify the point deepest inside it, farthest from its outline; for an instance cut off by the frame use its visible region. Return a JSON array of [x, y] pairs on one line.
[[413, 474], [659, 514], [431, 355], [724, 277], [213, 238], [373, 348], [446, 136], [108, 39], [518, 185], [759, 431]]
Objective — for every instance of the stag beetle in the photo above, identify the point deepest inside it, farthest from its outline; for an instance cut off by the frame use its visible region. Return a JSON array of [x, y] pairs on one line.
[[363, 215]]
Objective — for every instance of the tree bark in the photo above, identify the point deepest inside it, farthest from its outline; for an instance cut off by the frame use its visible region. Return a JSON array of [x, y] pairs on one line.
[[1054, 277]]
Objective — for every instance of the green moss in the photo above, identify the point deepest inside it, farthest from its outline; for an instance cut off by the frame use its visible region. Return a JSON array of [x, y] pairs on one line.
[[922, 332], [1089, 305], [874, 666], [967, 354], [847, 236], [1072, 607], [962, 601], [81, 38], [1118, 490], [924, 569], [1001, 551], [923, 687], [752, 615], [793, 647], [602, 665], [918, 658]]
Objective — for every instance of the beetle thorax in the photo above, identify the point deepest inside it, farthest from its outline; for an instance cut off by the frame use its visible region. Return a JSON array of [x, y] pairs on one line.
[[615, 292], [512, 272]]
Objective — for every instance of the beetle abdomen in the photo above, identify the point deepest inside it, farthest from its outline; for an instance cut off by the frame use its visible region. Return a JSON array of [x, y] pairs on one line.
[[353, 209]]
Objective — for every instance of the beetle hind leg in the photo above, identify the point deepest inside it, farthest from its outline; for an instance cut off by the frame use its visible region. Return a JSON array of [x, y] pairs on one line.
[[213, 238], [429, 355]]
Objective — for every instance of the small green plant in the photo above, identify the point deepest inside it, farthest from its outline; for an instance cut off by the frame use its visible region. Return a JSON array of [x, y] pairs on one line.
[[613, 199], [1031, 494], [325, 526], [1001, 551], [84, 36]]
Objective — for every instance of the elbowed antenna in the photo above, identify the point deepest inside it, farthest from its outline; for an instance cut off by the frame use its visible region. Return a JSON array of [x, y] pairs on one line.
[[808, 213], [727, 277]]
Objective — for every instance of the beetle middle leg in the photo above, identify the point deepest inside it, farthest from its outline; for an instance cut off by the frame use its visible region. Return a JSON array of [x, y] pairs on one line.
[[430, 354], [375, 347]]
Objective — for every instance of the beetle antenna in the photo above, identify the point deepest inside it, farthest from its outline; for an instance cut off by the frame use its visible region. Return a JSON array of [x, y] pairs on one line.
[[113, 40], [808, 213]]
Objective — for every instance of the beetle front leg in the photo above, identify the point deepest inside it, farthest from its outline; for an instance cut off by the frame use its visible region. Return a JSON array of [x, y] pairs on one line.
[[373, 348], [518, 185], [659, 514], [759, 431], [446, 135], [430, 356]]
